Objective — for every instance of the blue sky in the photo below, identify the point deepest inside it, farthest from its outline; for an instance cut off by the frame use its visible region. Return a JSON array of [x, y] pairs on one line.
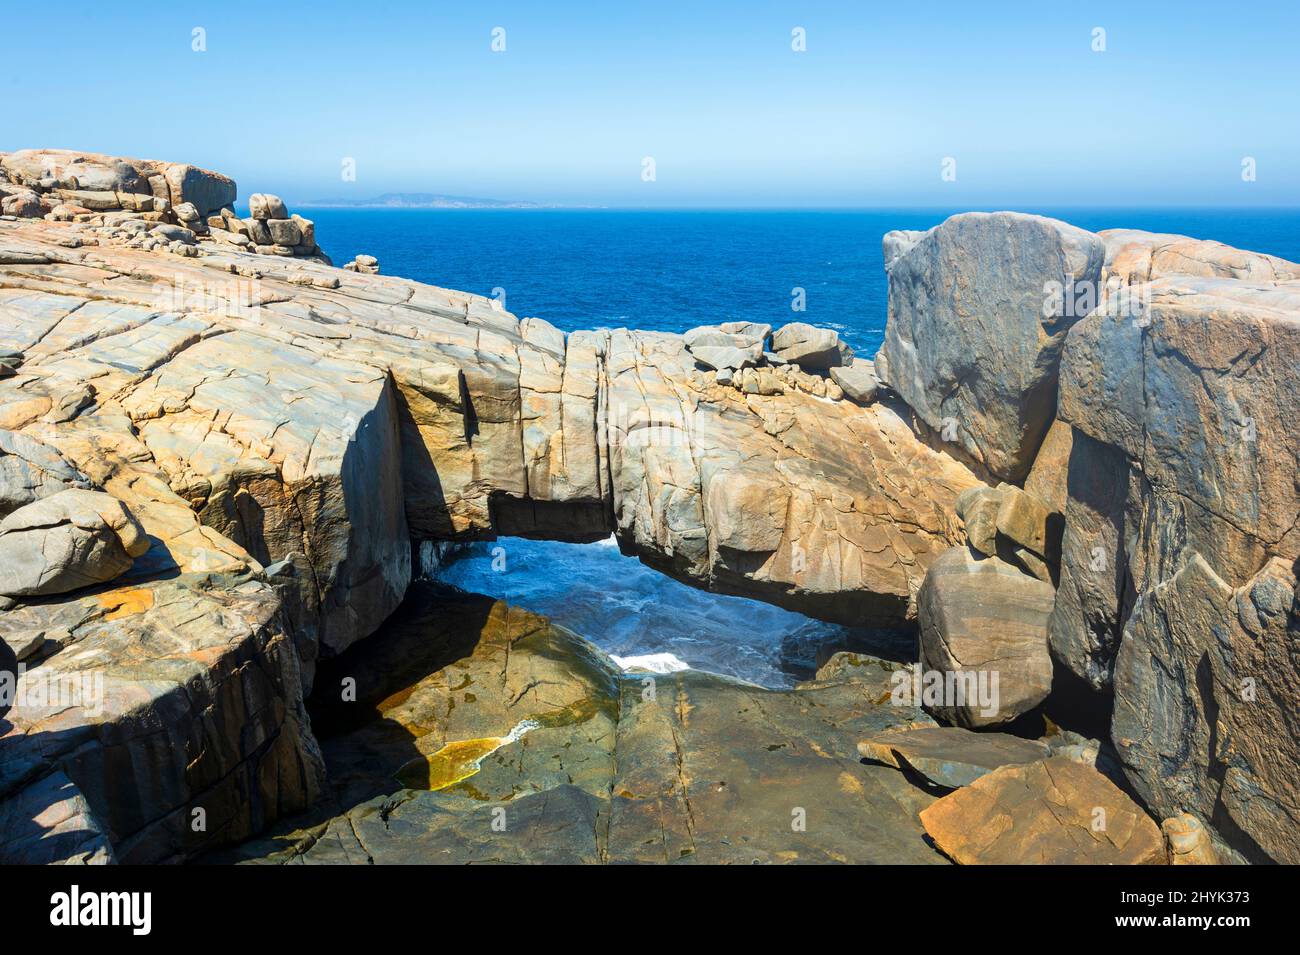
[[413, 92]]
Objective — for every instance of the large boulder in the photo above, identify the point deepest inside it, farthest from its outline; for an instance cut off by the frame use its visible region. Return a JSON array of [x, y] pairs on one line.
[[858, 380], [978, 312], [267, 207], [168, 719], [1049, 812], [207, 191], [31, 470], [809, 346], [983, 630], [72, 539]]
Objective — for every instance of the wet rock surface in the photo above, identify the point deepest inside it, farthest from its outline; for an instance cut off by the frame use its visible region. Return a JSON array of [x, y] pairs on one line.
[[610, 767]]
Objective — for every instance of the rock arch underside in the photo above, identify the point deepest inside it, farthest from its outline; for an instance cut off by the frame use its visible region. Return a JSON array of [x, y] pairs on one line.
[[1105, 497]]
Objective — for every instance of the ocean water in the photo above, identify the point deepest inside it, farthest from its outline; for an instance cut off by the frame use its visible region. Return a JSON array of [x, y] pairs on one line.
[[670, 271]]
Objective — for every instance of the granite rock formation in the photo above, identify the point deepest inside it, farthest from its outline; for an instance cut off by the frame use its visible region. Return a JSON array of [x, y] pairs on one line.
[[983, 629], [269, 419], [1072, 448], [1048, 812], [979, 308], [469, 710]]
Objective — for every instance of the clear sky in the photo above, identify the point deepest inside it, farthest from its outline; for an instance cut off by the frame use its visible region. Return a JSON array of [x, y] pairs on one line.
[[714, 92]]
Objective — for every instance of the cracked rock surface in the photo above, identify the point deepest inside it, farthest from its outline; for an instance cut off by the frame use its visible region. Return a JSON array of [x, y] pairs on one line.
[[683, 768]]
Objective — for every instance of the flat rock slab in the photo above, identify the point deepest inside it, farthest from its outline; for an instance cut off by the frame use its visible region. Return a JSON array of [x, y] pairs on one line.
[[1054, 812], [949, 755], [715, 771]]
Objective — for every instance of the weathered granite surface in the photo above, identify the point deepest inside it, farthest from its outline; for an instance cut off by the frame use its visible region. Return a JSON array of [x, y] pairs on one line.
[[1183, 530], [268, 418], [266, 401], [283, 432], [609, 767], [161, 718], [1048, 812], [979, 308]]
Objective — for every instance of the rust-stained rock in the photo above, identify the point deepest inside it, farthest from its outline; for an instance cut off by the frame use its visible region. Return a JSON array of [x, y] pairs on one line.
[[1188, 841], [468, 710], [1053, 812]]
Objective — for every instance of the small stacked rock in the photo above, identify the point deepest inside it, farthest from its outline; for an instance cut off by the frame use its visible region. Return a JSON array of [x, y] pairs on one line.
[[269, 228], [1006, 522], [730, 346], [858, 380], [803, 358], [365, 264]]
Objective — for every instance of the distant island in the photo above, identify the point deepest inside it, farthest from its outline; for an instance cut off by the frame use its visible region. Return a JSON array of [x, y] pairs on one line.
[[424, 200]]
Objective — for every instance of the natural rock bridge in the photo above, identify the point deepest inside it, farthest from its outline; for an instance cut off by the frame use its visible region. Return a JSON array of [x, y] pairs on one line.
[[1120, 485]]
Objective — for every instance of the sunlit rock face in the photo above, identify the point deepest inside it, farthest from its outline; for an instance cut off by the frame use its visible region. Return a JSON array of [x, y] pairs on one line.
[[279, 433], [979, 308], [1183, 530]]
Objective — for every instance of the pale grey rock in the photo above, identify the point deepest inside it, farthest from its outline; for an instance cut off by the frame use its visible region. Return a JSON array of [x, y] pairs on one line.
[[284, 231], [265, 206], [858, 381], [983, 620], [976, 325], [727, 356], [258, 232], [31, 470], [174, 233], [808, 346], [752, 330], [72, 539], [896, 244]]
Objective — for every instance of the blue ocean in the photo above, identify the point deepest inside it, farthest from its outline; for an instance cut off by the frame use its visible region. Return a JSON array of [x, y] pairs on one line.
[[671, 271]]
